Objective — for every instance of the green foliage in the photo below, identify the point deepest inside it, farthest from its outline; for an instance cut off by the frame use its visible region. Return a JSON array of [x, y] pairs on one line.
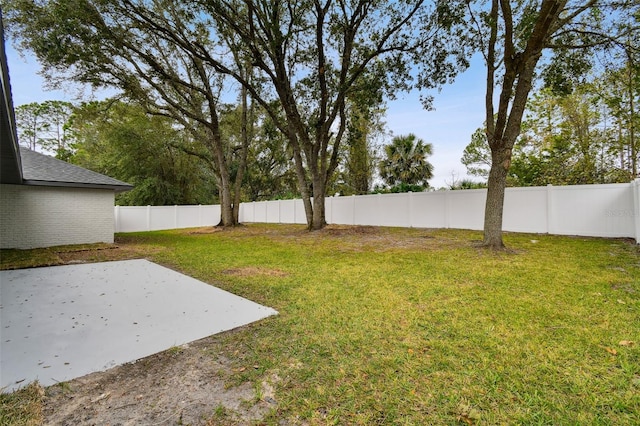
[[405, 163], [365, 127], [152, 52], [477, 156], [122, 141], [360, 161], [467, 184], [581, 137], [43, 126], [620, 92], [567, 69], [569, 139], [269, 173], [513, 37]]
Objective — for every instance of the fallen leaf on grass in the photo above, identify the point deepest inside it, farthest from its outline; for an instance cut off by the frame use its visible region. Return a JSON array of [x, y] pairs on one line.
[[622, 302], [467, 414], [611, 351], [465, 419], [626, 343]]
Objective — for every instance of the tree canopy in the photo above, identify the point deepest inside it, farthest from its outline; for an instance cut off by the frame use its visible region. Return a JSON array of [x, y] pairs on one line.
[[123, 141], [43, 126], [578, 135]]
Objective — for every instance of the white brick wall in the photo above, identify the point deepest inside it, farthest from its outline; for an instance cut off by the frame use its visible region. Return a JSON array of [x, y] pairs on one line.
[[39, 216]]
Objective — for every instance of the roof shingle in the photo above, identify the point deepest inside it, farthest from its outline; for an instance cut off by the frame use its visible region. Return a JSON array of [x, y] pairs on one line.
[[40, 169]]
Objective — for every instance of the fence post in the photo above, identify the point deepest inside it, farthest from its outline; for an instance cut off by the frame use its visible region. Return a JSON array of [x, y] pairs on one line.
[[410, 218], [550, 212], [175, 216], [353, 218], [148, 217], [117, 219], [635, 186], [446, 209]]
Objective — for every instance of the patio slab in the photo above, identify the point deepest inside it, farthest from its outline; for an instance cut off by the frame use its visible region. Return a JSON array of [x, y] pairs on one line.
[[63, 322]]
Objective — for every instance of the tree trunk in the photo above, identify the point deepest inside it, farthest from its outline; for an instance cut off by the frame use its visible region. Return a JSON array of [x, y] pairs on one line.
[[226, 204], [318, 220], [503, 126], [632, 114], [302, 181], [247, 120], [226, 200], [501, 160]]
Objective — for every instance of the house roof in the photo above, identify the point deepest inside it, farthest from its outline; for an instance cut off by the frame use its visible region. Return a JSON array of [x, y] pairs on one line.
[[42, 170]]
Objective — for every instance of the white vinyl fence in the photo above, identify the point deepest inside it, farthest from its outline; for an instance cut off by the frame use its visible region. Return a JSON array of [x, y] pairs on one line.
[[611, 210], [155, 218]]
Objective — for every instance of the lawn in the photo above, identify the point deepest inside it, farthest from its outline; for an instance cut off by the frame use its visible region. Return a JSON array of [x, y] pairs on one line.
[[414, 326]]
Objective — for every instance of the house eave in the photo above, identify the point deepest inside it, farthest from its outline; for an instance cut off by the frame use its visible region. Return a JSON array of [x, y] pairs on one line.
[[116, 188]]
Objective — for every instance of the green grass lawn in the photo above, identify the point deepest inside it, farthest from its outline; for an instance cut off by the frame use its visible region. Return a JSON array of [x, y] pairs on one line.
[[414, 327]]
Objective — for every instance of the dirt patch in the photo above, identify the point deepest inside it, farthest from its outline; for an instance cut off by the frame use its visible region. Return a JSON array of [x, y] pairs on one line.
[[206, 230], [108, 254], [338, 230], [377, 239], [54, 256], [252, 271], [625, 287], [183, 385]]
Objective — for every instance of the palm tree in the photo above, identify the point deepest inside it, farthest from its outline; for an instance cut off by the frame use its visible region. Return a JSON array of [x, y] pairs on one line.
[[405, 163]]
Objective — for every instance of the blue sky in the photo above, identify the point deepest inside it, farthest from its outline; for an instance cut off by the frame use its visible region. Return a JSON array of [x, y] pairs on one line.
[[459, 111]]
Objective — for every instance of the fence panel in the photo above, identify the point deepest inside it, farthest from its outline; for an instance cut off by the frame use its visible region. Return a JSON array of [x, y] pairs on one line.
[[288, 209], [526, 209], [465, 209], [162, 217], [188, 216], [429, 209], [384, 210], [273, 212], [210, 215], [131, 219], [342, 210], [594, 210]]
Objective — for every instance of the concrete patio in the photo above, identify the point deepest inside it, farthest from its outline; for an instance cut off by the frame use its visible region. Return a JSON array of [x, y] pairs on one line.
[[63, 322]]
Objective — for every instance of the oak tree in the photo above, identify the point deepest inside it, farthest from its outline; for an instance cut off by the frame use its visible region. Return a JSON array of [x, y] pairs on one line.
[[149, 50], [310, 57], [513, 34]]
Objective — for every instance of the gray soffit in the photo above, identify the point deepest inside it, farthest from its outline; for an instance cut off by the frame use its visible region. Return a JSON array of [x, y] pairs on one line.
[[42, 170]]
